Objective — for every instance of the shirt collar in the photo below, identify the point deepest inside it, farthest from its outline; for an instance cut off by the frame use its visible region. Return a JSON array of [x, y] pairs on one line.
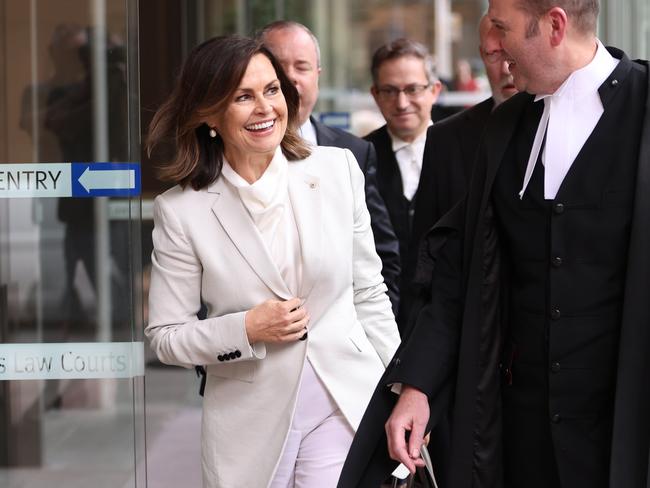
[[398, 143], [308, 132], [586, 80], [265, 189]]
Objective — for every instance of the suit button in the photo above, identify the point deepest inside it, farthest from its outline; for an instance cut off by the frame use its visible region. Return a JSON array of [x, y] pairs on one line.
[[556, 418], [238, 353], [556, 314], [232, 355], [397, 361], [220, 357], [557, 261], [558, 208], [555, 367]]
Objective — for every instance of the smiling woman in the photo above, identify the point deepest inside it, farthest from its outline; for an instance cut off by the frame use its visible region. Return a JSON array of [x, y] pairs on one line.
[[272, 238], [255, 122], [218, 81]]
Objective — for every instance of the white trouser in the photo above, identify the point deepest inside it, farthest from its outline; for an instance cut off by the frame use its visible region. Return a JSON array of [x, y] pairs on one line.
[[318, 441]]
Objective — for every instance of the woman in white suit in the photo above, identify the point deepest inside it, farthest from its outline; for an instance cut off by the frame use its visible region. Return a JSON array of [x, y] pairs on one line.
[[273, 236]]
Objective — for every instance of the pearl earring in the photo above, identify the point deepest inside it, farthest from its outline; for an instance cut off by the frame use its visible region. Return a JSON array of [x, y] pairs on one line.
[[213, 133]]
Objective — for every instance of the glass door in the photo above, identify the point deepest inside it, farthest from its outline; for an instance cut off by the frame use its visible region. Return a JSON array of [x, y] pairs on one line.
[[71, 345]]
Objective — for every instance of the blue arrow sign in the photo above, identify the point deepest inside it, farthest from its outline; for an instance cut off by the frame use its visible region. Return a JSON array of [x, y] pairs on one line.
[[105, 179], [60, 180]]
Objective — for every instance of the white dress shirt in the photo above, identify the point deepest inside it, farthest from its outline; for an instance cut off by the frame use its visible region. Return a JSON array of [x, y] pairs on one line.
[[570, 116], [308, 132], [409, 157]]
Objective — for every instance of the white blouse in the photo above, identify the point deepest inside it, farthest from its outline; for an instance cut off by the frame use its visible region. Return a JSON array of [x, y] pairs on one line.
[[268, 204]]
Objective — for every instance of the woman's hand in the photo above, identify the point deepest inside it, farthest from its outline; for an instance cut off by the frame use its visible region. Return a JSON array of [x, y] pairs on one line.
[[276, 321]]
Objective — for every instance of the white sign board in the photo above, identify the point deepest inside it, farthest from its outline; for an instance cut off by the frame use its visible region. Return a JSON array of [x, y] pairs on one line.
[[29, 180], [32, 180], [71, 360]]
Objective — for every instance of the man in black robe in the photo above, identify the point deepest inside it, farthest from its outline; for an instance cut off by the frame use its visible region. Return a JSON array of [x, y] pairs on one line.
[[537, 336], [451, 149]]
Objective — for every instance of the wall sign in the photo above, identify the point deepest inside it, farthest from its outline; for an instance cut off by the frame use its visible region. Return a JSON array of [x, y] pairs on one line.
[[71, 360], [69, 180]]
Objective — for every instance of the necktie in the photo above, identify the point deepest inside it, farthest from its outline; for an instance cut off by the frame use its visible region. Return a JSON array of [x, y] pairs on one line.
[[537, 145], [557, 160]]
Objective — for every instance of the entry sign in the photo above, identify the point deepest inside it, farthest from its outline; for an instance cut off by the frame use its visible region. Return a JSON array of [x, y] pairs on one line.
[[69, 180]]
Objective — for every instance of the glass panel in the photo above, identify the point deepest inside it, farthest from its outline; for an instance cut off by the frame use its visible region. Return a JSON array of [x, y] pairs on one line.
[[71, 374]]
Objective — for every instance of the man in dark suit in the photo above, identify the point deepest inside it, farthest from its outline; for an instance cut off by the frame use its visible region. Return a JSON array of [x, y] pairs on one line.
[[296, 48], [537, 335], [405, 88]]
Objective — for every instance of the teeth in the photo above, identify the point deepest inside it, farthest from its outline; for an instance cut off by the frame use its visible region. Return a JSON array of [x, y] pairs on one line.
[[260, 126]]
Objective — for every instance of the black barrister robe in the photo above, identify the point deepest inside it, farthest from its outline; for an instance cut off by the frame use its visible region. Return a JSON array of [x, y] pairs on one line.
[[449, 154], [462, 365]]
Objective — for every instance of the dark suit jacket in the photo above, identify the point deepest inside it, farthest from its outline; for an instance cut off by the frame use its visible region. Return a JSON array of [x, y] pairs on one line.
[[385, 240]]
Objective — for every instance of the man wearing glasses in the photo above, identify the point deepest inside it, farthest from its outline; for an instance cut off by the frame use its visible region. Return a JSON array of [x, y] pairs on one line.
[[405, 88]]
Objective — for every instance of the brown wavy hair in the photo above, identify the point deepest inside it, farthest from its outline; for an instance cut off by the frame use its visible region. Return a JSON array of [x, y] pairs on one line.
[[207, 82]]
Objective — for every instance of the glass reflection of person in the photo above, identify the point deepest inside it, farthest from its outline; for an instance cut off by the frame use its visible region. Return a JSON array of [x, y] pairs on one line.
[[274, 236], [70, 116], [64, 53]]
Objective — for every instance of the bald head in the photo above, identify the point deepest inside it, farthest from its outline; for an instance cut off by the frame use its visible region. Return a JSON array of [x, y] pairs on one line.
[[296, 48], [496, 68]]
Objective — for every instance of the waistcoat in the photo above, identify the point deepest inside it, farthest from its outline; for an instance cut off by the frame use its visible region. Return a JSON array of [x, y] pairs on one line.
[[565, 261]]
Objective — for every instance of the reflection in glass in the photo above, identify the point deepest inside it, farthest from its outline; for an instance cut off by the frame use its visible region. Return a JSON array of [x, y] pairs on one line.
[[53, 431]]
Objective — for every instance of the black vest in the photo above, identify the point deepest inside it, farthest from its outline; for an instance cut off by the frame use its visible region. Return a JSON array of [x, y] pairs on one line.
[[566, 266], [400, 209]]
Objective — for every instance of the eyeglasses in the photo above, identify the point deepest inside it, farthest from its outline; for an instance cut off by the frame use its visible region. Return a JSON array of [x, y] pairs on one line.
[[392, 92], [492, 57]]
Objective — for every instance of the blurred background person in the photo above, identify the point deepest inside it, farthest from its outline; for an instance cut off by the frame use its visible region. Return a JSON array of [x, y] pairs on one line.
[[69, 115], [405, 87], [273, 235], [297, 50], [464, 77]]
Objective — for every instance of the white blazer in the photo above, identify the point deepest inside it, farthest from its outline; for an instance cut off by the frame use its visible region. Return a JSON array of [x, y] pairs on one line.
[[207, 248]]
